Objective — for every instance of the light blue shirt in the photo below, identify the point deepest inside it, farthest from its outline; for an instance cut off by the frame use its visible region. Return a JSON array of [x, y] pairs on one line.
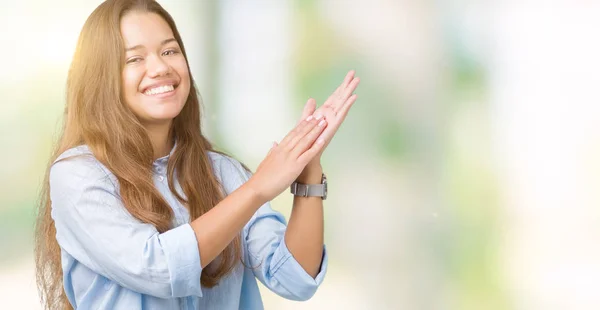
[[110, 260]]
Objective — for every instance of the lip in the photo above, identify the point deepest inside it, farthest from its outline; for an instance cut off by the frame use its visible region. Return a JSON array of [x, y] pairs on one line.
[[173, 83], [163, 95]]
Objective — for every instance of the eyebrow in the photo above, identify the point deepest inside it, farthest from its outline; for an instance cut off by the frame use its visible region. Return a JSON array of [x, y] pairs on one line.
[[141, 46]]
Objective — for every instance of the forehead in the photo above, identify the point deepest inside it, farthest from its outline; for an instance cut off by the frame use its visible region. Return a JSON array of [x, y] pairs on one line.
[[143, 28]]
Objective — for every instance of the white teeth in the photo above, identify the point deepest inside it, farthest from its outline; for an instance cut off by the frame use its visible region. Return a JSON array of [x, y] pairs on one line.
[[159, 90]]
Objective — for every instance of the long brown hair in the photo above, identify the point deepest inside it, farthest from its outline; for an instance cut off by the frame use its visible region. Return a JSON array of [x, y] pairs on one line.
[[96, 115]]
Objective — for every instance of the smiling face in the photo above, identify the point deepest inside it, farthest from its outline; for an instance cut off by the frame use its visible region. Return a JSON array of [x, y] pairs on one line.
[[156, 80]]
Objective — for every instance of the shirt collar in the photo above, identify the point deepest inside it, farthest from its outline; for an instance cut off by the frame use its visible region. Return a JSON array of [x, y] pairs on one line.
[[160, 164]]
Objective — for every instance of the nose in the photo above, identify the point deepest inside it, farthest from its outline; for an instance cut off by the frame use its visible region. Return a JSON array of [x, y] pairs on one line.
[[156, 66]]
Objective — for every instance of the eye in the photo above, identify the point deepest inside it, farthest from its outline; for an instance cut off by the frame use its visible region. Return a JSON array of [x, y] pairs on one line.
[[134, 60], [170, 52]]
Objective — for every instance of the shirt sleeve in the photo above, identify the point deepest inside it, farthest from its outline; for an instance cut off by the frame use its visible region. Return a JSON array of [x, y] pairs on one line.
[[93, 226], [264, 245]]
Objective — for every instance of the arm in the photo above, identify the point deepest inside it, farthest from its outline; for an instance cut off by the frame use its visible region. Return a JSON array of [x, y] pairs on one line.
[[265, 249], [215, 229], [93, 226], [300, 156], [304, 235]]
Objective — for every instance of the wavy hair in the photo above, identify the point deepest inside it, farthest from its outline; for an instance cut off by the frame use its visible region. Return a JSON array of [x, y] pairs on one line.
[[96, 115]]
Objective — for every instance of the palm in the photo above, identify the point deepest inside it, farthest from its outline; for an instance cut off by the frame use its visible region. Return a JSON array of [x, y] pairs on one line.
[[334, 109]]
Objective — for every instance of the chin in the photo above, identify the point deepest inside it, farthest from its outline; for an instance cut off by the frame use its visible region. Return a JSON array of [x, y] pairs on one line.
[[160, 118], [164, 118], [166, 112]]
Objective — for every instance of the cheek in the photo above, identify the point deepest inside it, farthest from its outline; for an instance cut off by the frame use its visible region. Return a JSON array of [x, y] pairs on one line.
[[131, 82], [184, 75]]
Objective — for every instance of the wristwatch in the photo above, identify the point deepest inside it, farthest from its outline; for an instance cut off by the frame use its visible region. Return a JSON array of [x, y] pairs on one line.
[[310, 190]]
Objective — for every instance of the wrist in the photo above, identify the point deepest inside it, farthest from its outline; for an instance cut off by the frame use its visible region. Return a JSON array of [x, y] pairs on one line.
[[311, 174], [254, 192], [314, 166]]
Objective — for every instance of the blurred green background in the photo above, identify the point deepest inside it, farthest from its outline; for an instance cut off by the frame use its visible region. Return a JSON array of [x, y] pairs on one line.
[[465, 176]]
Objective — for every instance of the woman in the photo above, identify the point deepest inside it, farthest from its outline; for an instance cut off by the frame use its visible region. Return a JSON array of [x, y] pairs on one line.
[[140, 212]]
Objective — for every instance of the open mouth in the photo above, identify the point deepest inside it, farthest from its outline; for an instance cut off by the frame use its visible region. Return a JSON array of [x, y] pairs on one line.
[[160, 90]]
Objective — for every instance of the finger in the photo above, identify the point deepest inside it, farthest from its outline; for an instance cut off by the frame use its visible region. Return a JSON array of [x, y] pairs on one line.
[[351, 87], [340, 90], [346, 107], [309, 139], [335, 94], [334, 120], [347, 94], [285, 141], [306, 130], [272, 147], [320, 112], [309, 109], [333, 123], [341, 94], [309, 154], [297, 133], [348, 79], [327, 112]]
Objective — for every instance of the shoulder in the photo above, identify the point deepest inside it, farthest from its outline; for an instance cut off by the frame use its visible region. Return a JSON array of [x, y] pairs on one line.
[[230, 172], [225, 164], [76, 167]]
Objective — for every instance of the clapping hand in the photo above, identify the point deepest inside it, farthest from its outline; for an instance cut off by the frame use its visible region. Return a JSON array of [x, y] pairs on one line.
[[334, 111], [300, 151]]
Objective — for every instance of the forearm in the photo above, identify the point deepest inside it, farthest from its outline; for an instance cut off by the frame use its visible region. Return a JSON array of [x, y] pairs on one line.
[[216, 229], [304, 234]]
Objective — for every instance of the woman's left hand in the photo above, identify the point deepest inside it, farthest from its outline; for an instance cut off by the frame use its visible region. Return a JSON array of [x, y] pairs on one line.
[[334, 110]]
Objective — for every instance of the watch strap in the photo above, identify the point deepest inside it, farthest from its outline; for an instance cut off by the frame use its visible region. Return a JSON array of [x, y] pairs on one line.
[[308, 190]]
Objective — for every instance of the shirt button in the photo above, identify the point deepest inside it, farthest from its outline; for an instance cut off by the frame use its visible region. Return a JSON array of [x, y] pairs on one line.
[[161, 178], [107, 284]]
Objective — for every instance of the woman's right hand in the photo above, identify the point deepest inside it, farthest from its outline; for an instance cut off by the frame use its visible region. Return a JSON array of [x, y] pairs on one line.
[[285, 161]]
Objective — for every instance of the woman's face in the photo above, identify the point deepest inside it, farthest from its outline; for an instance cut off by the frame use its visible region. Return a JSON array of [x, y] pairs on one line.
[[156, 81]]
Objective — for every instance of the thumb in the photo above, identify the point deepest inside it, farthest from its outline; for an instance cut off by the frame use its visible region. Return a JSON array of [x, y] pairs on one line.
[[309, 109], [269, 153], [272, 147]]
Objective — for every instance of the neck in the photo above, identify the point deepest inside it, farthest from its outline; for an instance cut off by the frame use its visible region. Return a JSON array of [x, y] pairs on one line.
[[160, 136]]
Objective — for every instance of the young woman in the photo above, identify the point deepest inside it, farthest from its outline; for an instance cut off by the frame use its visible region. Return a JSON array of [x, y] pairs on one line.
[[140, 212]]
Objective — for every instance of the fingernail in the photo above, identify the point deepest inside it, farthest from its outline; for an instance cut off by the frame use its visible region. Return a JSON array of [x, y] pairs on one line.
[[322, 122], [318, 117], [308, 119]]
